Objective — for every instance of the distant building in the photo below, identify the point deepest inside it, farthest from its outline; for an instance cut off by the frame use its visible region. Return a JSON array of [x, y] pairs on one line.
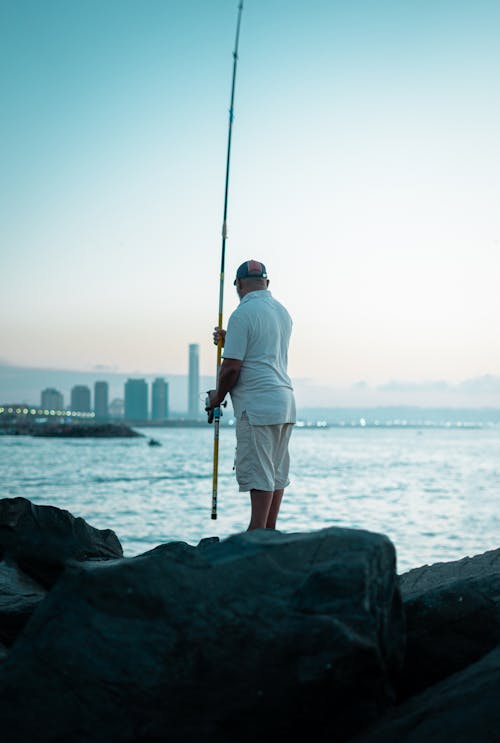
[[80, 398], [194, 381], [101, 407], [52, 399], [159, 400], [117, 408], [136, 400]]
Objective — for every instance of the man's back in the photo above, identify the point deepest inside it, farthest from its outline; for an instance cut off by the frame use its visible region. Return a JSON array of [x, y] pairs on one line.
[[258, 334]]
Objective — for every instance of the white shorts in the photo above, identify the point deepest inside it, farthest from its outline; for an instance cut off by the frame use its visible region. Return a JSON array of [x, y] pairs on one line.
[[262, 460]]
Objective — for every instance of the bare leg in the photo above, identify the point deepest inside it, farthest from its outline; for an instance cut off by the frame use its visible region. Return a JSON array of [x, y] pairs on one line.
[[261, 501], [272, 516]]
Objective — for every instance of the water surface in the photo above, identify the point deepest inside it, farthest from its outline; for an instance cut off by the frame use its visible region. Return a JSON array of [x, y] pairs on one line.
[[434, 492]]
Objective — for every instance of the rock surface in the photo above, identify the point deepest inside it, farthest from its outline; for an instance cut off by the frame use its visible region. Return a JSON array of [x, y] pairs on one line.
[[463, 708], [19, 596], [42, 539], [256, 637], [452, 618], [262, 637]]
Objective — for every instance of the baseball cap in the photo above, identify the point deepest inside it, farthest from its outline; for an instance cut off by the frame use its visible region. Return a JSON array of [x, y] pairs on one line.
[[251, 269]]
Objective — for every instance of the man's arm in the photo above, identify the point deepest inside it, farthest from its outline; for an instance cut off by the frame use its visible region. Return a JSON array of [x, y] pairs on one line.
[[228, 376]]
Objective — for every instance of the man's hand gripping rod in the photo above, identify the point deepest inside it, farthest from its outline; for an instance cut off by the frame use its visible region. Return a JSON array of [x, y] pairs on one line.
[[213, 413]]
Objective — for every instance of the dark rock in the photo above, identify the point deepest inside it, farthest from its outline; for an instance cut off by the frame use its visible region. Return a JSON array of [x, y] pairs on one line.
[[42, 539], [207, 541], [452, 618], [427, 577], [19, 596], [83, 430], [257, 637], [463, 708]]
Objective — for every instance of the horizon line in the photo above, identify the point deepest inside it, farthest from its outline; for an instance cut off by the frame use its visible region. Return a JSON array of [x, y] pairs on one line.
[[358, 384]]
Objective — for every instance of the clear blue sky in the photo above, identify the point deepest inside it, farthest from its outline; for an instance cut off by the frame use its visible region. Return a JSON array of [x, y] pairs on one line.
[[365, 174]]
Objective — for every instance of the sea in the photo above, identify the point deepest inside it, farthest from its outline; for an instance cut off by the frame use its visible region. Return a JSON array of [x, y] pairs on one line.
[[434, 491]]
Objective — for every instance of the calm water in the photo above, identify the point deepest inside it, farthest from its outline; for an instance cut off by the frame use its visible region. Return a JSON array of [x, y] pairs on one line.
[[434, 492]]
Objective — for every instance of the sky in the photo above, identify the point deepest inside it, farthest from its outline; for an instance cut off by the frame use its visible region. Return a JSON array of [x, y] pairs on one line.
[[365, 174]]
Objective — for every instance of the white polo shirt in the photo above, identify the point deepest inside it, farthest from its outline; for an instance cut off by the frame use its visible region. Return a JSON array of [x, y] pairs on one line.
[[258, 334]]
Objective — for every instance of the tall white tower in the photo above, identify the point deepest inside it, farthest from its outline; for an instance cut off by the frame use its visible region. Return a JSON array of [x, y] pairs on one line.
[[194, 381]]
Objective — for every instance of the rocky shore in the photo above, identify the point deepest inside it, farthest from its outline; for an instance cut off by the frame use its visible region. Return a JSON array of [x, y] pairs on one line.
[[261, 637], [78, 429]]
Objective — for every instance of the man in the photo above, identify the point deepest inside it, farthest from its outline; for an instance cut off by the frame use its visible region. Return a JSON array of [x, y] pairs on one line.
[[254, 372]]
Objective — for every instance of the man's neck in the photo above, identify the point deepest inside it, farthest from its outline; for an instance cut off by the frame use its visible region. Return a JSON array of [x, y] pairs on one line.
[[244, 292]]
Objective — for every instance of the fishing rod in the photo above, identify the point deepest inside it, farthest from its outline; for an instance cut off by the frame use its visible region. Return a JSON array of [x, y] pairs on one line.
[[216, 413]]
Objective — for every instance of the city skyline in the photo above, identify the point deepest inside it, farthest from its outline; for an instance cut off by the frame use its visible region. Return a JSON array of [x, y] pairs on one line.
[[23, 385], [141, 400], [365, 174]]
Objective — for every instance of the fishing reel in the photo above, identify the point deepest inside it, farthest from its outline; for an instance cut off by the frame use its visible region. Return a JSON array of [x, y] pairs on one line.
[[213, 412]]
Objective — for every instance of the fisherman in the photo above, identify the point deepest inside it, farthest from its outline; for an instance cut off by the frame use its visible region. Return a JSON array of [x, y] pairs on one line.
[[254, 372]]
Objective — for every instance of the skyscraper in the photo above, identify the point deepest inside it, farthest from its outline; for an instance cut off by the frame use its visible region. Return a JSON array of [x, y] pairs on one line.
[[136, 400], [117, 408], [159, 400], [101, 408], [194, 381], [52, 399], [80, 398]]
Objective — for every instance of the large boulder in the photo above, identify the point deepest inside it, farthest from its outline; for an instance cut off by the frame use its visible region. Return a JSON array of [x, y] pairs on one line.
[[452, 618], [464, 708], [42, 539], [19, 596], [257, 637]]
